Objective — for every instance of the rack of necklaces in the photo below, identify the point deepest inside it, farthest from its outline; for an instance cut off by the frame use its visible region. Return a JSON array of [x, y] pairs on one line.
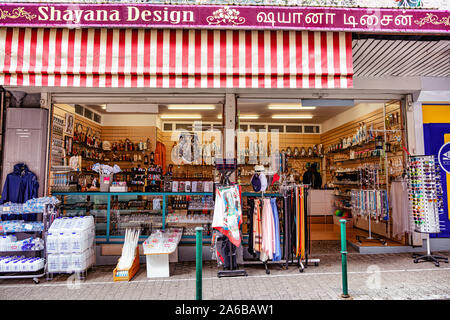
[[371, 203], [228, 217], [426, 201]]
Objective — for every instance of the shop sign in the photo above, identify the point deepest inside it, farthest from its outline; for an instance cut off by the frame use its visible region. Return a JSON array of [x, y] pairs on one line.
[[400, 4], [444, 157], [223, 17]]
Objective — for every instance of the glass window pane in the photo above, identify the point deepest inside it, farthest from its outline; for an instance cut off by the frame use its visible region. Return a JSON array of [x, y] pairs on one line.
[[276, 128], [88, 113], [167, 127], [294, 129], [79, 109], [97, 118], [135, 211], [309, 129], [258, 127]]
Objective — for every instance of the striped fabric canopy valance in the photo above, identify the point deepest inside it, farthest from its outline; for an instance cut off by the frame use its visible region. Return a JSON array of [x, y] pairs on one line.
[[157, 58]]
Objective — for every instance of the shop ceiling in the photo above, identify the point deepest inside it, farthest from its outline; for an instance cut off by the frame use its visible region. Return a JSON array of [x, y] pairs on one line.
[[251, 111]]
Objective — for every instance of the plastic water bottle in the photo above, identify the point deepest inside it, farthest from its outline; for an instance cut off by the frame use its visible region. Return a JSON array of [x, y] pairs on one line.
[[64, 242], [52, 243], [53, 263], [65, 262]]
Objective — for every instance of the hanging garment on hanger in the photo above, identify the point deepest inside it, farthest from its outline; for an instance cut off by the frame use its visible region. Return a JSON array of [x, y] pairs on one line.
[[268, 231], [302, 223], [227, 213], [298, 222], [400, 208], [276, 220], [250, 211], [257, 233], [286, 233], [20, 185]]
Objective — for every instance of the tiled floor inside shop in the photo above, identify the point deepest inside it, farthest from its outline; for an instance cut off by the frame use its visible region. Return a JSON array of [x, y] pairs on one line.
[[377, 276]]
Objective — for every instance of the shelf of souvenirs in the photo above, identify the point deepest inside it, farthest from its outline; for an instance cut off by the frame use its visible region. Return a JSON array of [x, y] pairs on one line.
[[355, 146], [395, 146], [84, 144]]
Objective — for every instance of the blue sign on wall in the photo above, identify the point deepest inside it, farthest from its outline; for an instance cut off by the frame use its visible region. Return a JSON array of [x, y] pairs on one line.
[[433, 134]]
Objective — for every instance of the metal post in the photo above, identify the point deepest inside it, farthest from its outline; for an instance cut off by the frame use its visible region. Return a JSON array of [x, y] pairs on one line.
[[344, 258], [198, 262]]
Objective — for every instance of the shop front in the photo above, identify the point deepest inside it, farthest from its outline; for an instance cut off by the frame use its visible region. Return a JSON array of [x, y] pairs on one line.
[[145, 101]]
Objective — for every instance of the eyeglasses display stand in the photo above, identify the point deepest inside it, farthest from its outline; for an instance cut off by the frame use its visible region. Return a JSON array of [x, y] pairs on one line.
[[425, 199]]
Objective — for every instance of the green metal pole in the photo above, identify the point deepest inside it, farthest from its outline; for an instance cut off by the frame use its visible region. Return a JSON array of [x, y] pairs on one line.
[[344, 258], [198, 263]]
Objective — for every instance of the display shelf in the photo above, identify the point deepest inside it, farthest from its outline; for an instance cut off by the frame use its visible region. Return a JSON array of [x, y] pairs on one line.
[[85, 145], [351, 147]]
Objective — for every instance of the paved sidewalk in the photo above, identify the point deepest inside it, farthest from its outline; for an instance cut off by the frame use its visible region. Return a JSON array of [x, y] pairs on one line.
[[371, 277]]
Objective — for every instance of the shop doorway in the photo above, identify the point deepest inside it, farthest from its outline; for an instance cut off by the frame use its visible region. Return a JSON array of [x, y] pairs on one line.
[[356, 148]]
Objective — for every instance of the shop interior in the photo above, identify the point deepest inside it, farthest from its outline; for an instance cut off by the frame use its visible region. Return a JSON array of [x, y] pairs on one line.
[[354, 145]]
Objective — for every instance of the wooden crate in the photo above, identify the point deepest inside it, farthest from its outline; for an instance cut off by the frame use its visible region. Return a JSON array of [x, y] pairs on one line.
[[130, 273]]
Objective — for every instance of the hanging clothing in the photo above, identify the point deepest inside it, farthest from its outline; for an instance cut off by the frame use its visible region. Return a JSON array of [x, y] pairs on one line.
[[257, 232], [277, 250], [20, 186], [268, 232], [228, 213], [250, 211], [160, 156], [400, 208], [313, 178]]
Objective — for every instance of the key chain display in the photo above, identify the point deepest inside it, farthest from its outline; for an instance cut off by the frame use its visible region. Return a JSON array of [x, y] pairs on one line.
[[370, 203]]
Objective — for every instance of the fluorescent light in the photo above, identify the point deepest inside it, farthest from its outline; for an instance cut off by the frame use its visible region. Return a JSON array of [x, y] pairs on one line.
[[289, 107], [180, 116], [249, 116], [191, 107], [291, 116], [245, 117]]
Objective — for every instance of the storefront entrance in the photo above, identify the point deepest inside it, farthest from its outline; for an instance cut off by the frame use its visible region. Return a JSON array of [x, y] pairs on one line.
[[166, 149]]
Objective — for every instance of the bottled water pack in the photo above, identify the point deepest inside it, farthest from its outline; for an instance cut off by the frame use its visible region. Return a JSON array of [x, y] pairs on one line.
[[69, 244]]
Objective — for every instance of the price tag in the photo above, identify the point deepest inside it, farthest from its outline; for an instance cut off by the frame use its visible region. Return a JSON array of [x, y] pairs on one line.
[[6, 209]]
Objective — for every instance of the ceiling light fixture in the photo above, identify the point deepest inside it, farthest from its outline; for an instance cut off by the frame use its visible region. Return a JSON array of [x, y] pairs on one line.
[[104, 106], [180, 116], [289, 107], [291, 116], [245, 117], [249, 116], [191, 107]]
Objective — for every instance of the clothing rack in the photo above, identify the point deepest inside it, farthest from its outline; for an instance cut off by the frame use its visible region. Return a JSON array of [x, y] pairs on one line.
[[226, 168], [287, 249]]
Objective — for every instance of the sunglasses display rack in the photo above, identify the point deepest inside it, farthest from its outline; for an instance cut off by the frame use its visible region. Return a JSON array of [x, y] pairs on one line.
[[425, 200]]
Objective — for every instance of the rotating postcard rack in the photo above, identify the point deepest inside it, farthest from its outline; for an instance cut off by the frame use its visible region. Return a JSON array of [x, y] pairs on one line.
[[425, 201]]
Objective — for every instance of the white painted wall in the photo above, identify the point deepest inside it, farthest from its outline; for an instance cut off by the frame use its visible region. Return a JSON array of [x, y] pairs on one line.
[[136, 120], [350, 115]]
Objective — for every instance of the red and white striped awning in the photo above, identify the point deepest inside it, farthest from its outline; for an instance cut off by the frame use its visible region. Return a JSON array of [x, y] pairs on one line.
[[157, 58]]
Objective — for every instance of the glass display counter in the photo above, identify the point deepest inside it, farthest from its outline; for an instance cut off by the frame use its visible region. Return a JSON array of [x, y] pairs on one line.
[[115, 211]]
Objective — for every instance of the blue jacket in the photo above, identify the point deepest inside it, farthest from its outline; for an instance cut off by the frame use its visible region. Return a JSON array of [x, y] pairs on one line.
[[20, 185]]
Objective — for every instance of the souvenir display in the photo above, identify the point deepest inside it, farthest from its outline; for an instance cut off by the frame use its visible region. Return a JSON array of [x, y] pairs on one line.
[[425, 193]]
